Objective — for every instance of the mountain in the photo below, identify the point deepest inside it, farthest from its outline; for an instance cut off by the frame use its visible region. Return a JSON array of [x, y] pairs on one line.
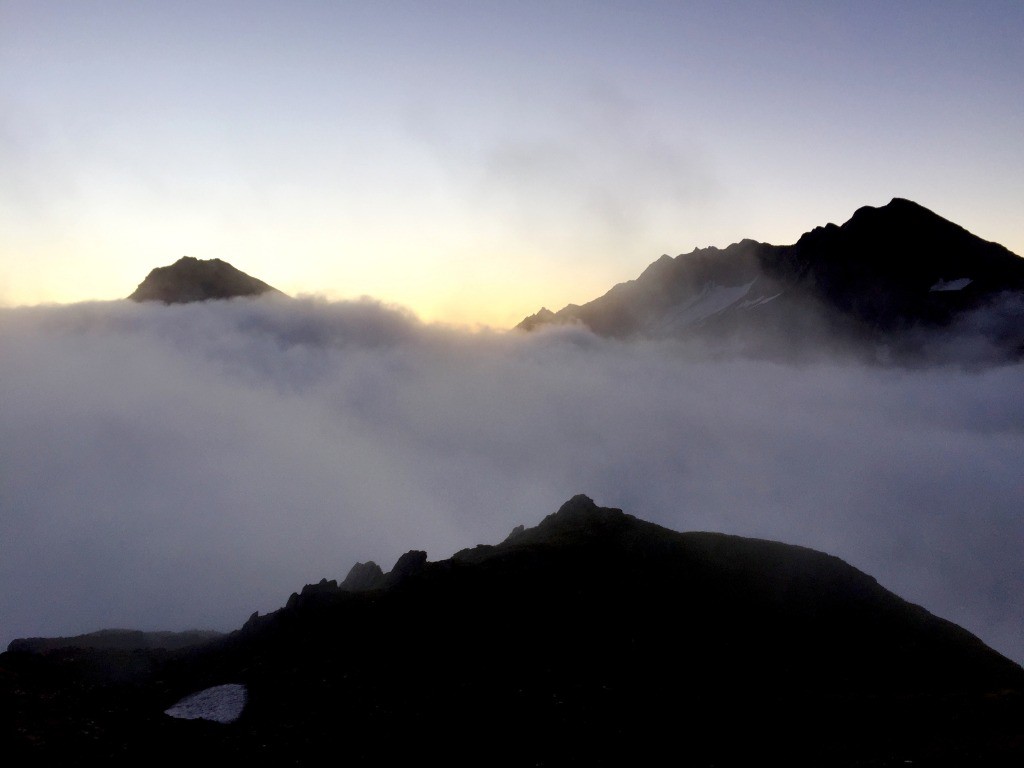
[[190, 279], [593, 638], [115, 639], [897, 279]]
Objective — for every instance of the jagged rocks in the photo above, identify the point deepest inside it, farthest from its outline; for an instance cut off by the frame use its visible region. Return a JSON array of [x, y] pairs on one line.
[[363, 576], [323, 586], [896, 282], [409, 564], [592, 638], [516, 533], [543, 317]]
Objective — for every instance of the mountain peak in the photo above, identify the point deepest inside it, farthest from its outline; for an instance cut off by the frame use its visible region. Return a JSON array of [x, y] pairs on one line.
[[907, 212], [578, 504], [894, 282], [190, 279], [578, 519], [542, 317]]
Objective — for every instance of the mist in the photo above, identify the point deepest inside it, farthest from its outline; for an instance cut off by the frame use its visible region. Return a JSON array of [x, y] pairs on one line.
[[173, 467]]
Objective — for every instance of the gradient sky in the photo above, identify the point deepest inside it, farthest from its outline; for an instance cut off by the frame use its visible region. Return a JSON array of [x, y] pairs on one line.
[[476, 160]]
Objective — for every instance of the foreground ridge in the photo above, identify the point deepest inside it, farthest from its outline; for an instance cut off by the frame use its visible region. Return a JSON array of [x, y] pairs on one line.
[[591, 638]]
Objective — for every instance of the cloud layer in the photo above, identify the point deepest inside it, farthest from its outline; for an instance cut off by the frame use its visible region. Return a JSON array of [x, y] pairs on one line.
[[176, 467]]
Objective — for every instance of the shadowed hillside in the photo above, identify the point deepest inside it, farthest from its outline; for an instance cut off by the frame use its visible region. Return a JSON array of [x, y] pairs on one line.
[[895, 280], [190, 279], [593, 638]]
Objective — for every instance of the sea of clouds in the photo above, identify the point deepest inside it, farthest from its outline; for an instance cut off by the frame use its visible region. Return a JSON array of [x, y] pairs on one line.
[[171, 467]]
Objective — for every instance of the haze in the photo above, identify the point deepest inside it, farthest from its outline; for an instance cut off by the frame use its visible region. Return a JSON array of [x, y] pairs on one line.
[[476, 161], [175, 467]]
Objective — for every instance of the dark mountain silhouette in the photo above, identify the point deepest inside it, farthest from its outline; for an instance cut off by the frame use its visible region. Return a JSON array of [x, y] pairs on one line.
[[363, 576], [592, 638], [190, 279], [116, 639], [898, 276]]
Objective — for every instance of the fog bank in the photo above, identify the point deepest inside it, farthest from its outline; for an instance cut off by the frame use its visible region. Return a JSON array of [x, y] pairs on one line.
[[177, 467]]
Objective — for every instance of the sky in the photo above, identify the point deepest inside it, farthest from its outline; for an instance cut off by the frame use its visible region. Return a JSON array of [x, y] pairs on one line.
[[474, 161]]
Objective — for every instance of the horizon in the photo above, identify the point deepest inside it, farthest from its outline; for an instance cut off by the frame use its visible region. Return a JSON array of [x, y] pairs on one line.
[[464, 323], [473, 164]]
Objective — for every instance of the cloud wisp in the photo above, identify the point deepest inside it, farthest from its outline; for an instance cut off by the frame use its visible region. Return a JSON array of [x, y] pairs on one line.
[[176, 467]]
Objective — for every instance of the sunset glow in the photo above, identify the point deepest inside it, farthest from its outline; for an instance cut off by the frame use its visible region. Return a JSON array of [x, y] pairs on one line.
[[474, 162]]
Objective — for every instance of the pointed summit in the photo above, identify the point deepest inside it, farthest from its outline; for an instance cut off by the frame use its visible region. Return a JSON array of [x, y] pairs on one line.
[[893, 281], [190, 279], [578, 504], [542, 317]]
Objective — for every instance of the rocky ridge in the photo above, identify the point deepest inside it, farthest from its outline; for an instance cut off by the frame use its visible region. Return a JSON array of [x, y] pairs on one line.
[[591, 638], [190, 279], [894, 280]]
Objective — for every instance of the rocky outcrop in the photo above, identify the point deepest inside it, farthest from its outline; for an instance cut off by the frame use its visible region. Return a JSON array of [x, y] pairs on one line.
[[592, 638], [514, 534], [190, 279], [363, 576], [897, 277], [410, 564], [311, 593], [543, 317]]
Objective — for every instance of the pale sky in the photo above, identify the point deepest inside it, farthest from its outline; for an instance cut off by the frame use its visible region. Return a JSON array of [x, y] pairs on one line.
[[473, 161]]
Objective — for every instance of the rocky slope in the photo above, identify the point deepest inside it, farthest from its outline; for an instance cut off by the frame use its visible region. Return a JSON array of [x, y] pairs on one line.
[[190, 279], [897, 279], [592, 638]]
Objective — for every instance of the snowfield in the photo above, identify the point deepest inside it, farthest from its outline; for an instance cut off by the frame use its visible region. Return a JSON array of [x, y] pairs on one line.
[[221, 704]]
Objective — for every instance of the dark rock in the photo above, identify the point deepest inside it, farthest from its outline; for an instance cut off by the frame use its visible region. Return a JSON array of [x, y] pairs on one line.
[[896, 280], [544, 317], [363, 576], [116, 639], [311, 594], [321, 587], [516, 532], [190, 279], [593, 638], [580, 508], [410, 564]]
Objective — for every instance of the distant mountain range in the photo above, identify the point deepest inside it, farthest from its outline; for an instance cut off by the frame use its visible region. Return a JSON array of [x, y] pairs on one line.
[[115, 639], [190, 279], [893, 283], [593, 638], [896, 280]]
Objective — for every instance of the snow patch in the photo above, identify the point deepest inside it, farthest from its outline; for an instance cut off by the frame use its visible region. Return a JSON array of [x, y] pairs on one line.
[[221, 703], [751, 303], [712, 299], [951, 285]]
